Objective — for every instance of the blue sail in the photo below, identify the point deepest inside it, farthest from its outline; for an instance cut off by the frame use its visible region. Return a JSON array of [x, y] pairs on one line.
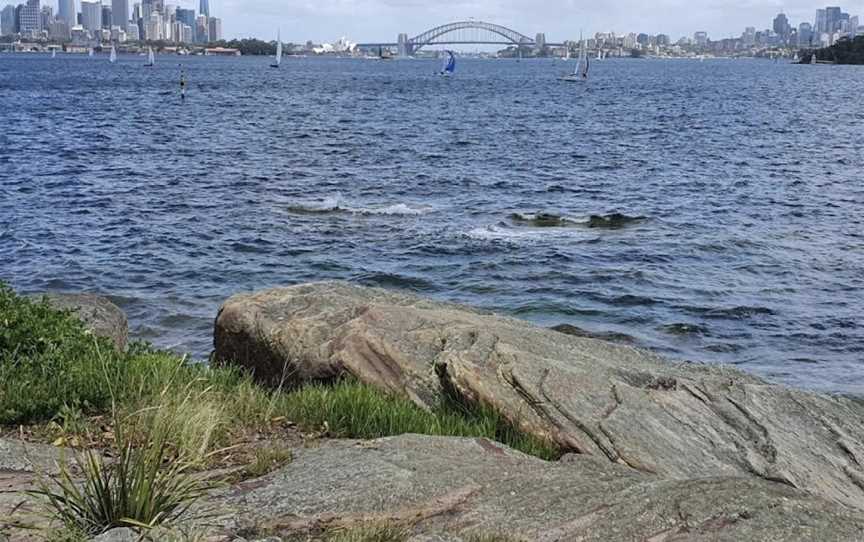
[[451, 63]]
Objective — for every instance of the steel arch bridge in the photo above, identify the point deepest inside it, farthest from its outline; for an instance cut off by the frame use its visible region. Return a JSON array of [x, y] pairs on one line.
[[468, 32], [459, 33]]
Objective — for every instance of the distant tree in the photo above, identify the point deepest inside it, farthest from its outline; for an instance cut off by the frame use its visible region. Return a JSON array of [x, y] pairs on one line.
[[845, 51], [636, 53]]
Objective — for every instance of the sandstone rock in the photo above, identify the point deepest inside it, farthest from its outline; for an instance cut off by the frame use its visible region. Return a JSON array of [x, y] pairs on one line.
[[451, 489], [118, 535], [595, 398], [102, 317]]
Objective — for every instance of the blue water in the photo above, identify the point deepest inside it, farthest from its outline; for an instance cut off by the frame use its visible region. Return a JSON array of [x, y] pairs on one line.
[[748, 175]]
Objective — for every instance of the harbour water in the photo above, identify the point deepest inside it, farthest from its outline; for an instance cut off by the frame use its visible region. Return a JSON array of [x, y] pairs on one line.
[[746, 176]]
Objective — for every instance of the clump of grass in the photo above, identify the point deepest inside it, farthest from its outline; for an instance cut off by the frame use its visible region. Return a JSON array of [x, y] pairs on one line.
[[148, 482], [267, 459]]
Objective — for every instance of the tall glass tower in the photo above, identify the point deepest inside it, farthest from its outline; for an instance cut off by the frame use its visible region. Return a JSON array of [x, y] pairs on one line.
[[120, 13], [205, 8], [66, 11]]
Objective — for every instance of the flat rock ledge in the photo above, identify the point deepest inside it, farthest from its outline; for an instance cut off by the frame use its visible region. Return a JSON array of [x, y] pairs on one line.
[[689, 427], [455, 489], [102, 317]]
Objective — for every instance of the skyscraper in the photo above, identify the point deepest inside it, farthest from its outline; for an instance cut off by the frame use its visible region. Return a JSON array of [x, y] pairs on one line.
[[204, 8], [215, 29], [91, 15], [7, 20], [66, 11], [805, 34], [120, 13], [781, 27], [821, 20]]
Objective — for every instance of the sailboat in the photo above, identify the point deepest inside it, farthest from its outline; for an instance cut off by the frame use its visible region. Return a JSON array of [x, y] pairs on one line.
[[151, 58], [599, 55], [113, 58], [581, 71], [53, 53], [90, 52], [277, 61], [796, 59], [450, 66], [813, 59]]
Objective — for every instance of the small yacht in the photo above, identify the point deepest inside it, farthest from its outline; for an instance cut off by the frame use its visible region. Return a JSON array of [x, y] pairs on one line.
[[277, 61], [450, 65], [580, 73]]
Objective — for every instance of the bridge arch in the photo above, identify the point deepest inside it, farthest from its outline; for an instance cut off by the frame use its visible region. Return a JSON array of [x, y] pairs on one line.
[[431, 37]]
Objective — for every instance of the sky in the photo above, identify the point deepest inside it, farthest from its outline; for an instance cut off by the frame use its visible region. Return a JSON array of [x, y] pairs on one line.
[[383, 20]]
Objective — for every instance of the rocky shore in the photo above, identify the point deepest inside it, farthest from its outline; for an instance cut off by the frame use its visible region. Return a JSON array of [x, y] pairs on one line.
[[650, 450]]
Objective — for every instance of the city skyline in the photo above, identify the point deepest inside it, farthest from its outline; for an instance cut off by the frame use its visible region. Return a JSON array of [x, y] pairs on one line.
[[371, 20]]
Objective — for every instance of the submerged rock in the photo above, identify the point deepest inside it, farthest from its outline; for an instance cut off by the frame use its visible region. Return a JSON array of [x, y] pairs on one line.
[[542, 220], [612, 221], [610, 336], [102, 317], [617, 403]]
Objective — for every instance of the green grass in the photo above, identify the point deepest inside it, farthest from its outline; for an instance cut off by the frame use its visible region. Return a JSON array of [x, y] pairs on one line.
[[51, 369]]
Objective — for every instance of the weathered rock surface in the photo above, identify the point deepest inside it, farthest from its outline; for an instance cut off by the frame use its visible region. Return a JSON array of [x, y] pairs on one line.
[[19, 464], [102, 317], [624, 405], [463, 487]]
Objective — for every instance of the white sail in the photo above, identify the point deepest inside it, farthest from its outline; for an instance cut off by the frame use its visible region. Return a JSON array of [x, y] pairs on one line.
[[53, 53], [582, 66], [113, 58], [813, 59], [277, 61], [151, 57], [90, 52]]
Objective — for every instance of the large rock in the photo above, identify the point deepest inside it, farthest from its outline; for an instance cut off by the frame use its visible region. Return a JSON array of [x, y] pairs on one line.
[[473, 487], [627, 406], [102, 317]]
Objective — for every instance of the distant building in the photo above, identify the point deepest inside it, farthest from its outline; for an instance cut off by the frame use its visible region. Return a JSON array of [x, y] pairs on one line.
[[29, 18], [221, 51], [781, 27], [66, 11], [805, 35], [106, 17], [7, 21], [46, 17], [91, 15], [700, 39], [834, 17], [153, 27], [204, 8], [215, 28], [132, 33], [202, 30], [186, 16], [120, 13], [663, 40]]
